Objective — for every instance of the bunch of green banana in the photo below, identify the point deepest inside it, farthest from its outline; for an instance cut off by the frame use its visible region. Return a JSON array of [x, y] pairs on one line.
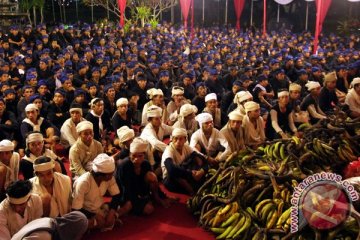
[[322, 149], [234, 227]]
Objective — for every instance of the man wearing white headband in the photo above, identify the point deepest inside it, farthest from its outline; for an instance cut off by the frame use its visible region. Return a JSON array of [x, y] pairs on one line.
[[280, 123], [123, 115], [53, 188], [89, 190], [35, 148], [154, 132], [68, 131], [295, 91], [139, 182], [182, 166], [156, 97], [85, 149], [233, 131], [253, 125], [311, 102], [173, 107], [34, 122], [209, 141], [353, 98], [186, 119], [19, 208], [9, 165], [99, 118], [239, 100], [328, 94], [211, 104]]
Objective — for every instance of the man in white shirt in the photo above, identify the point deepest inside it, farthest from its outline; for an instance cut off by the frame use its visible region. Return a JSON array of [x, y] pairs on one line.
[[210, 141], [85, 149], [253, 125], [69, 135], [233, 131], [19, 208], [154, 132], [89, 190], [9, 166], [182, 166], [53, 188]]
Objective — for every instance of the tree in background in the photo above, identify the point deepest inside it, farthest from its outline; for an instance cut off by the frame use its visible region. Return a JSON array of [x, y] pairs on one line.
[[141, 10], [26, 5]]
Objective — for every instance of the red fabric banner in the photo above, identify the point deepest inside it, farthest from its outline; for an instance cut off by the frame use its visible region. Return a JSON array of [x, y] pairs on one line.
[[239, 6], [122, 6], [322, 7], [185, 7]]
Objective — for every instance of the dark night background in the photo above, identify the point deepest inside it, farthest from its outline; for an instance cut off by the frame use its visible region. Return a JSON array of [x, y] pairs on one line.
[[291, 15]]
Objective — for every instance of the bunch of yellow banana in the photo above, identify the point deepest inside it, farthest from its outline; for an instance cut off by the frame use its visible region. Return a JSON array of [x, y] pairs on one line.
[[345, 152], [285, 195], [217, 218], [284, 221], [275, 151]]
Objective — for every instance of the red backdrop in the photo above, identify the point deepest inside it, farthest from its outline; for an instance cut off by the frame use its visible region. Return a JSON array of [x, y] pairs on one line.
[[239, 6], [185, 7], [122, 6], [322, 7]]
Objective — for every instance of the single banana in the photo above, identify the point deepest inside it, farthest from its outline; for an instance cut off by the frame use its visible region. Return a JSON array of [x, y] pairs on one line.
[[217, 230], [261, 204], [283, 217], [244, 227], [273, 220], [282, 151], [238, 225], [230, 220], [225, 233], [266, 210], [280, 207]]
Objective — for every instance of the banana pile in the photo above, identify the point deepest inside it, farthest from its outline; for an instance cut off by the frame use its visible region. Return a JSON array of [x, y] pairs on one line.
[[248, 196]]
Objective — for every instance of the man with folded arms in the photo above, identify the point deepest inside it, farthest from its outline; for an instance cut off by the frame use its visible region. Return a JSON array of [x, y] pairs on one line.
[[253, 125], [89, 190], [19, 208], [85, 149], [53, 188], [9, 165]]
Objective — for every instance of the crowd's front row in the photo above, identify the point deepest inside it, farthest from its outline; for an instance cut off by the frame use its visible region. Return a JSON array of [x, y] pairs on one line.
[[130, 177], [48, 203]]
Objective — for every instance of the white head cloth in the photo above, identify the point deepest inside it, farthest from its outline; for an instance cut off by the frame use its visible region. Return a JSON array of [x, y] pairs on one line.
[[203, 118], [154, 111], [312, 85], [103, 164], [122, 101], [84, 125], [355, 81], [210, 96], [187, 109], [31, 107], [235, 115], [177, 91], [138, 145], [6, 145], [251, 106], [125, 133]]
